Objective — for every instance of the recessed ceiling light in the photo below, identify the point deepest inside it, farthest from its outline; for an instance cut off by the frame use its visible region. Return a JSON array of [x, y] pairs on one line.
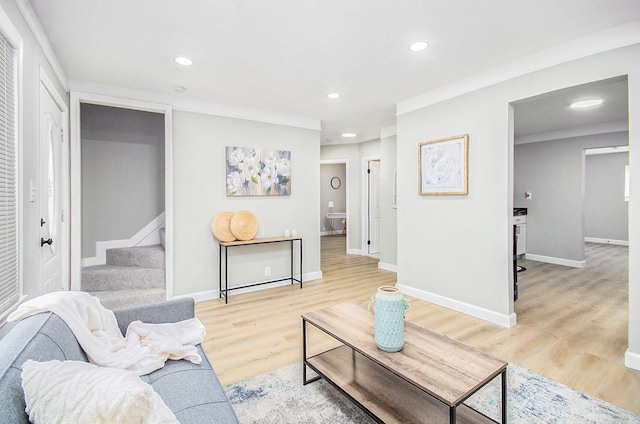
[[586, 103], [333, 95], [180, 89], [184, 61], [418, 46], [349, 135]]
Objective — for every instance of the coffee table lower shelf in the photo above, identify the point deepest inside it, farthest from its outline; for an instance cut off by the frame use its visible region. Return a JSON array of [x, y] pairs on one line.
[[382, 394]]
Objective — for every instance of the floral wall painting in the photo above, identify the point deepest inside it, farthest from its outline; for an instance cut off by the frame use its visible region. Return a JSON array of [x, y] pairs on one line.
[[442, 166], [255, 172]]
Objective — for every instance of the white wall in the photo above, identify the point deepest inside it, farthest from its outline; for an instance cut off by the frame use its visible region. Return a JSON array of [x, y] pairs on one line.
[[199, 143], [388, 214], [456, 250], [33, 61], [456, 247]]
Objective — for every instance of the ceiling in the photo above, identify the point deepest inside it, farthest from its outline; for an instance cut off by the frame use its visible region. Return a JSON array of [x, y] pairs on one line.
[[285, 56], [549, 116]]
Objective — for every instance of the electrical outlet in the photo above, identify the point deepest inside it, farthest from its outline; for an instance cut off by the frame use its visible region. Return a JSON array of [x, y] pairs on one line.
[[267, 271]]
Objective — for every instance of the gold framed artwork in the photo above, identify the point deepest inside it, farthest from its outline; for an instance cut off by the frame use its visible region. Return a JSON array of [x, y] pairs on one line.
[[442, 166]]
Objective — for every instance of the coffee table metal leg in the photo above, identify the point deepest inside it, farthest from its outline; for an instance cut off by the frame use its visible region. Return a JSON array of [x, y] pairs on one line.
[[452, 415], [304, 356], [226, 275], [504, 396]]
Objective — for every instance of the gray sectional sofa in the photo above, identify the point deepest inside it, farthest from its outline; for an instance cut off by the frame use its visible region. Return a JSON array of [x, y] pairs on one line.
[[192, 392]]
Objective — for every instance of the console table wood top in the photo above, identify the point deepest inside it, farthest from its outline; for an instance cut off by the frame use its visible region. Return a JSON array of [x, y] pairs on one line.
[[258, 241]]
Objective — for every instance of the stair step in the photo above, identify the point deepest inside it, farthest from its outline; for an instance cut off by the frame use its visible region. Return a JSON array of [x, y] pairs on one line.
[[140, 256], [114, 299], [117, 277]]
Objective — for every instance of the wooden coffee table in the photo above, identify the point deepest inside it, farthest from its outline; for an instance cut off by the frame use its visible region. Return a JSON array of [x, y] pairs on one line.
[[426, 382]]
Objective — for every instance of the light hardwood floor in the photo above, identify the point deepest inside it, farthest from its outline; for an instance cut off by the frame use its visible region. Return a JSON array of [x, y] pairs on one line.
[[572, 323]]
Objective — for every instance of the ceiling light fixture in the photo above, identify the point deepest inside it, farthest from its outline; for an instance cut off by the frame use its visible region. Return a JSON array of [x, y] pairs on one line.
[[349, 135], [184, 61], [418, 46], [180, 89], [333, 95], [586, 103]]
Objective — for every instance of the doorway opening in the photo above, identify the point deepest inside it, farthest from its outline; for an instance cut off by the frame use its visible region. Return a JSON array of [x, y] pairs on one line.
[[552, 180], [121, 186], [334, 207], [373, 208]]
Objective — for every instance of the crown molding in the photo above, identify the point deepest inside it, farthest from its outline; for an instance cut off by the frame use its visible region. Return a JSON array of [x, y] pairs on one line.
[[609, 39], [38, 32], [605, 151], [187, 104]]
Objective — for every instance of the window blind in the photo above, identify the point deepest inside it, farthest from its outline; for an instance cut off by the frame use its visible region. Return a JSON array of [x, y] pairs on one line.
[[9, 284]]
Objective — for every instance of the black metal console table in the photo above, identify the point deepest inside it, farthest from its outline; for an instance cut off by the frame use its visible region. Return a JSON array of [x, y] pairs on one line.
[[224, 246]]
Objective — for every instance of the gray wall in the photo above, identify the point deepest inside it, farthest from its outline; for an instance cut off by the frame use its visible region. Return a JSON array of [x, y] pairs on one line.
[[199, 194], [553, 172], [328, 193], [606, 214], [122, 173]]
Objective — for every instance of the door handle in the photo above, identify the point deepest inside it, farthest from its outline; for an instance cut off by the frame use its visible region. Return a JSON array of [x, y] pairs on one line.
[[42, 222], [43, 241]]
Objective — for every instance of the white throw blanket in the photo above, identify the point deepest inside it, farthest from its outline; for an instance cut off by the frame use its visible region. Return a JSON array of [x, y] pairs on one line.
[[145, 348]]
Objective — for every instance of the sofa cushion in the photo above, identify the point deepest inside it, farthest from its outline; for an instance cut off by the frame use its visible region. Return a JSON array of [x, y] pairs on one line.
[[192, 391], [41, 337]]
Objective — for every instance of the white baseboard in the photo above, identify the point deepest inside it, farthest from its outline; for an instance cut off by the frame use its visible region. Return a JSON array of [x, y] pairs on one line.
[[215, 294], [354, 252], [147, 236], [502, 320], [311, 276], [200, 296], [388, 267], [632, 360], [606, 241], [556, 261]]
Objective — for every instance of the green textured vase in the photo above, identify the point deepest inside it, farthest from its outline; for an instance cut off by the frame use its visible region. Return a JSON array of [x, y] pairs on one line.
[[389, 310]]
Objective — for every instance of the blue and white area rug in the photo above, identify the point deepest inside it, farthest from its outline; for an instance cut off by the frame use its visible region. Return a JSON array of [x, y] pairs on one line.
[[280, 397]]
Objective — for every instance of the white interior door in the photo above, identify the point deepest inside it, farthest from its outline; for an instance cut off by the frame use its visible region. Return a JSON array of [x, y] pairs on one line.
[[51, 196], [374, 207]]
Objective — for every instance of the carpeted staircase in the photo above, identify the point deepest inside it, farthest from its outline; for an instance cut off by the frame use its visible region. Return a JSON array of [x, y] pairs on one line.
[[131, 276]]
